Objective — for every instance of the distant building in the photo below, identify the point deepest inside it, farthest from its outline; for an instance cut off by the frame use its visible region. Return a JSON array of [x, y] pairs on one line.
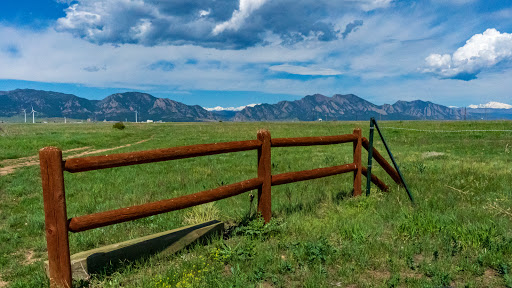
[[149, 121], [320, 120]]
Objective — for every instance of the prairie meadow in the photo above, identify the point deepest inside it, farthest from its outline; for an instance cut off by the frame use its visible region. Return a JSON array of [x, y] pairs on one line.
[[459, 232]]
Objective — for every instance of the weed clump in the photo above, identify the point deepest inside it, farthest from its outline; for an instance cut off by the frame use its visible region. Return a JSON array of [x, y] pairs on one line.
[[258, 229], [202, 213], [242, 251], [193, 276], [313, 251], [119, 125]]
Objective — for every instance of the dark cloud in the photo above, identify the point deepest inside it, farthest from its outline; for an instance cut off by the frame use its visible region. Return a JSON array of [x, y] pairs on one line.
[[161, 65], [94, 68], [179, 22], [12, 51], [352, 26], [219, 10], [465, 76]]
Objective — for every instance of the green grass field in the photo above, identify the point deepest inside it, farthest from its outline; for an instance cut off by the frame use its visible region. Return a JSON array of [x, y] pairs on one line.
[[459, 233]]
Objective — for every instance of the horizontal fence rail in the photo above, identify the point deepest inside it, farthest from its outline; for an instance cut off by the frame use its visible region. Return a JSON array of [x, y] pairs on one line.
[[125, 159], [53, 167], [291, 177], [310, 141], [83, 223]]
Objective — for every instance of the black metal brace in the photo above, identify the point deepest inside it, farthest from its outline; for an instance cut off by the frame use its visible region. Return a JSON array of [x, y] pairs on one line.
[[370, 156]]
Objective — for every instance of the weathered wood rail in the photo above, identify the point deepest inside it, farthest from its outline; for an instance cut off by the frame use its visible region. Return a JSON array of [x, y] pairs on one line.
[[58, 225]]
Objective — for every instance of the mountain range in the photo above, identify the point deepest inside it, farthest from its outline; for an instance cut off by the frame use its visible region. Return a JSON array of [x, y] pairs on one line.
[[124, 106], [345, 107], [116, 107]]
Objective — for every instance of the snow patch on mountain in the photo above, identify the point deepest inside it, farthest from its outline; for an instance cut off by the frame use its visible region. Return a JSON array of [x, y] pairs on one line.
[[493, 105], [219, 108]]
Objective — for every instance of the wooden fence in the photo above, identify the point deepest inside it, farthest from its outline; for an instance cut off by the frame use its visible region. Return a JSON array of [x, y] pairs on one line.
[[58, 225]]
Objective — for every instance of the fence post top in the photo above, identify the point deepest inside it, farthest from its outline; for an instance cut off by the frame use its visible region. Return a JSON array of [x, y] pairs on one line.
[[357, 130], [263, 132], [50, 149]]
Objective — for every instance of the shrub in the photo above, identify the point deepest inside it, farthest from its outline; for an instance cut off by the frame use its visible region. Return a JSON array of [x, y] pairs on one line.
[[119, 125]]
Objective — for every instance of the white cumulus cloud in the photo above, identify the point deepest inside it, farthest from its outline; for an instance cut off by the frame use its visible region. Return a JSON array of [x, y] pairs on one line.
[[76, 18], [239, 16], [480, 52], [204, 13]]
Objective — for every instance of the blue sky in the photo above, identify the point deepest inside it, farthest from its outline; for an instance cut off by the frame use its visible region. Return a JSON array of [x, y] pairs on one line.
[[234, 53]]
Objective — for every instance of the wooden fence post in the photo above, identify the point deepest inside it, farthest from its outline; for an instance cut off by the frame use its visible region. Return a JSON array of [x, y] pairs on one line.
[[357, 161], [55, 214], [265, 173]]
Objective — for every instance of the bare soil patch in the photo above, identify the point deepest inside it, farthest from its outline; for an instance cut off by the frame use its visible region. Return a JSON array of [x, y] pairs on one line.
[[418, 258], [489, 278], [29, 258], [266, 285], [3, 283], [227, 270], [410, 274], [379, 274]]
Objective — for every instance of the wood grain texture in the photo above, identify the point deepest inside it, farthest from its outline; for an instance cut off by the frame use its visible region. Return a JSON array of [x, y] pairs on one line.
[[91, 221], [55, 215], [124, 159], [291, 177], [265, 173], [357, 160], [310, 141], [383, 162]]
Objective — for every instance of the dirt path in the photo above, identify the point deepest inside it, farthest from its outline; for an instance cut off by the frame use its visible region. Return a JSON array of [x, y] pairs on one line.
[[106, 149], [10, 165], [3, 283]]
